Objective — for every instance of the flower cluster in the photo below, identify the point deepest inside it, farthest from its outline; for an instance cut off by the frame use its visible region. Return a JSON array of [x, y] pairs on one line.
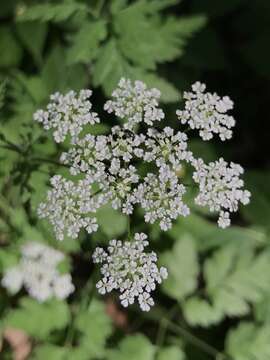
[[109, 169], [207, 113], [37, 272], [220, 188], [135, 103], [108, 164], [67, 207], [161, 198], [67, 114], [128, 268]]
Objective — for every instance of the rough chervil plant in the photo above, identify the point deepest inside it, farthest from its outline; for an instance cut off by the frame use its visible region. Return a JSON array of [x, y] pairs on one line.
[[37, 272], [106, 169]]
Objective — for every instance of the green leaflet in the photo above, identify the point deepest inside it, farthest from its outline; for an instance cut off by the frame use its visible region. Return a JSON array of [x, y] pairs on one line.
[[10, 49], [249, 342], [133, 347], [95, 327], [110, 67], [51, 12], [235, 278], [208, 236], [33, 36], [182, 265], [171, 353], [146, 40], [112, 222], [38, 319], [86, 42], [200, 312]]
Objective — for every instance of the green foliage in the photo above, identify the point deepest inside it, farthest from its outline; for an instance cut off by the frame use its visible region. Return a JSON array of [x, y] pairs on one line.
[[33, 36], [50, 12], [146, 40], [95, 327], [249, 342], [112, 223], [11, 52], [183, 268], [86, 41], [38, 320], [235, 277], [134, 347], [172, 353]]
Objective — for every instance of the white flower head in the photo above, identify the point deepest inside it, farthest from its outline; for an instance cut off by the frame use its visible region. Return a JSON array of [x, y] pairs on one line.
[[207, 113], [67, 114], [135, 103], [37, 272], [128, 268], [67, 206], [220, 188]]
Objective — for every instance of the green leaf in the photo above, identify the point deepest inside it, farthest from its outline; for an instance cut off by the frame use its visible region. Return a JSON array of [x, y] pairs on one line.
[[199, 312], [39, 319], [50, 12], [249, 342], [38, 182], [117, 5], [96, 327], [182, 265], [49, 351], [235, 278], [146, 40], [208, 235], [112, 222], [54, 352], [134, 347], [171, 353], [262, 309], [85, 43], [10, 50], [33, 36], [8, 258], [108, 73], [58, 76]]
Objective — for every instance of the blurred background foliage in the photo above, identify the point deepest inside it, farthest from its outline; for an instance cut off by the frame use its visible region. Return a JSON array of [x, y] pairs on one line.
[[216, 301]]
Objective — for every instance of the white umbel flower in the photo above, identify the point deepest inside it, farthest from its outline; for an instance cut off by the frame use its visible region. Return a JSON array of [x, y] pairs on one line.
[[110, 169], [161, 198], [67, 114], [128, 268], [68, 205], [37, 272], [207, 113], [220, 188], [135, 103]]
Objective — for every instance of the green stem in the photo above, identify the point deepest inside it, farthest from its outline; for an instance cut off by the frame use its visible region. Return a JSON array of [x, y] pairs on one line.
[[209, 349], [160, 316], [128, 228], [85, 300], [13, 147]]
